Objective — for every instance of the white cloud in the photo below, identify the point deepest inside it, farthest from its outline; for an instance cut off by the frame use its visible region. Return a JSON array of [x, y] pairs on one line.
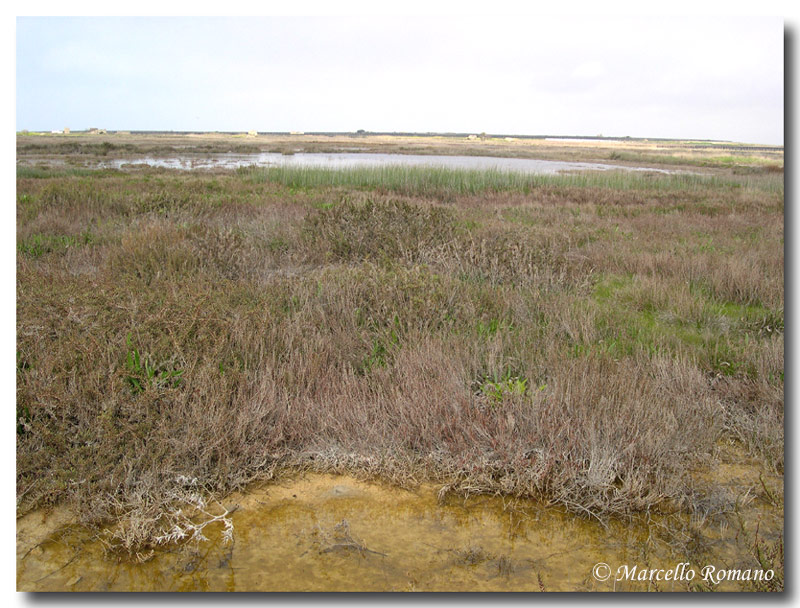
[[698, 77]]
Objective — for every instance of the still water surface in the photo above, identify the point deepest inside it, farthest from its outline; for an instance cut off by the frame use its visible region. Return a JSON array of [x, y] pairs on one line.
[[336, 533], [343, 160]]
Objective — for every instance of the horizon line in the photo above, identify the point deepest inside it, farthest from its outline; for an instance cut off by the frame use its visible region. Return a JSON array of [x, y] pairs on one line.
[[363, 133]]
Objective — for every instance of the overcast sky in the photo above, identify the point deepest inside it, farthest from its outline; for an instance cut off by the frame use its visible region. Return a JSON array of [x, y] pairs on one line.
[[700, 77]]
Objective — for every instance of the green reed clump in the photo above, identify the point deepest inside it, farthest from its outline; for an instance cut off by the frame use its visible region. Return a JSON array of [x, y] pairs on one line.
[[442, 181]]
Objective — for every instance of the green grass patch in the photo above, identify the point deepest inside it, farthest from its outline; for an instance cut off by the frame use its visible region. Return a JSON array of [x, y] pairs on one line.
[[37, 245], [715, 335]]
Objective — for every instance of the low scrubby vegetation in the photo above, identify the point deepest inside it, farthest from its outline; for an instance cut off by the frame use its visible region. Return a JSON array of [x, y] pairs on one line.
[[582, 339]]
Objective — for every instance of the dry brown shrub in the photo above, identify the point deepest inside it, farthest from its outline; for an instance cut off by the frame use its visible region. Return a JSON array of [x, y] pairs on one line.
[[362, 336]]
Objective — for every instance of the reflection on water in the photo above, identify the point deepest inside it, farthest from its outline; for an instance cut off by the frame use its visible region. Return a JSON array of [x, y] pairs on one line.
[[341, 160], [335, 533]]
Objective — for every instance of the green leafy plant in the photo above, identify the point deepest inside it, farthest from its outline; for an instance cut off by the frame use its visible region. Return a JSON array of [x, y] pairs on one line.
[[492, 326], [497, 387], [380, 352], [144, 373]]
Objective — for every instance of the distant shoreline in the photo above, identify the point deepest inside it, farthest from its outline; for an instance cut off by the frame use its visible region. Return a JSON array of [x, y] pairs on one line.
[[76, 147], [447, 134]]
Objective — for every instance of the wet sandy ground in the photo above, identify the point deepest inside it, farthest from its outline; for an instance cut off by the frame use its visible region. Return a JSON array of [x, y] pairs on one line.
[[336, 533]]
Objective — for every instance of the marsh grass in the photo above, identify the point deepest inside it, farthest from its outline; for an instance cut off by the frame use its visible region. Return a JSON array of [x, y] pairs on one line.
[[447, 182], [25, 172], [582, 339]]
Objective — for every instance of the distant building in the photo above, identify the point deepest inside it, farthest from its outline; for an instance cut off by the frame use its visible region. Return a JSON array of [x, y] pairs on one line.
[[56, 132], [66, 130], [296, 133], [472, 137], [96, 131], [252, 133]]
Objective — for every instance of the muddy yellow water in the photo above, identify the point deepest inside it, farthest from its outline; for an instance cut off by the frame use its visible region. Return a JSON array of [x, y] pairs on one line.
[[335, 533]]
